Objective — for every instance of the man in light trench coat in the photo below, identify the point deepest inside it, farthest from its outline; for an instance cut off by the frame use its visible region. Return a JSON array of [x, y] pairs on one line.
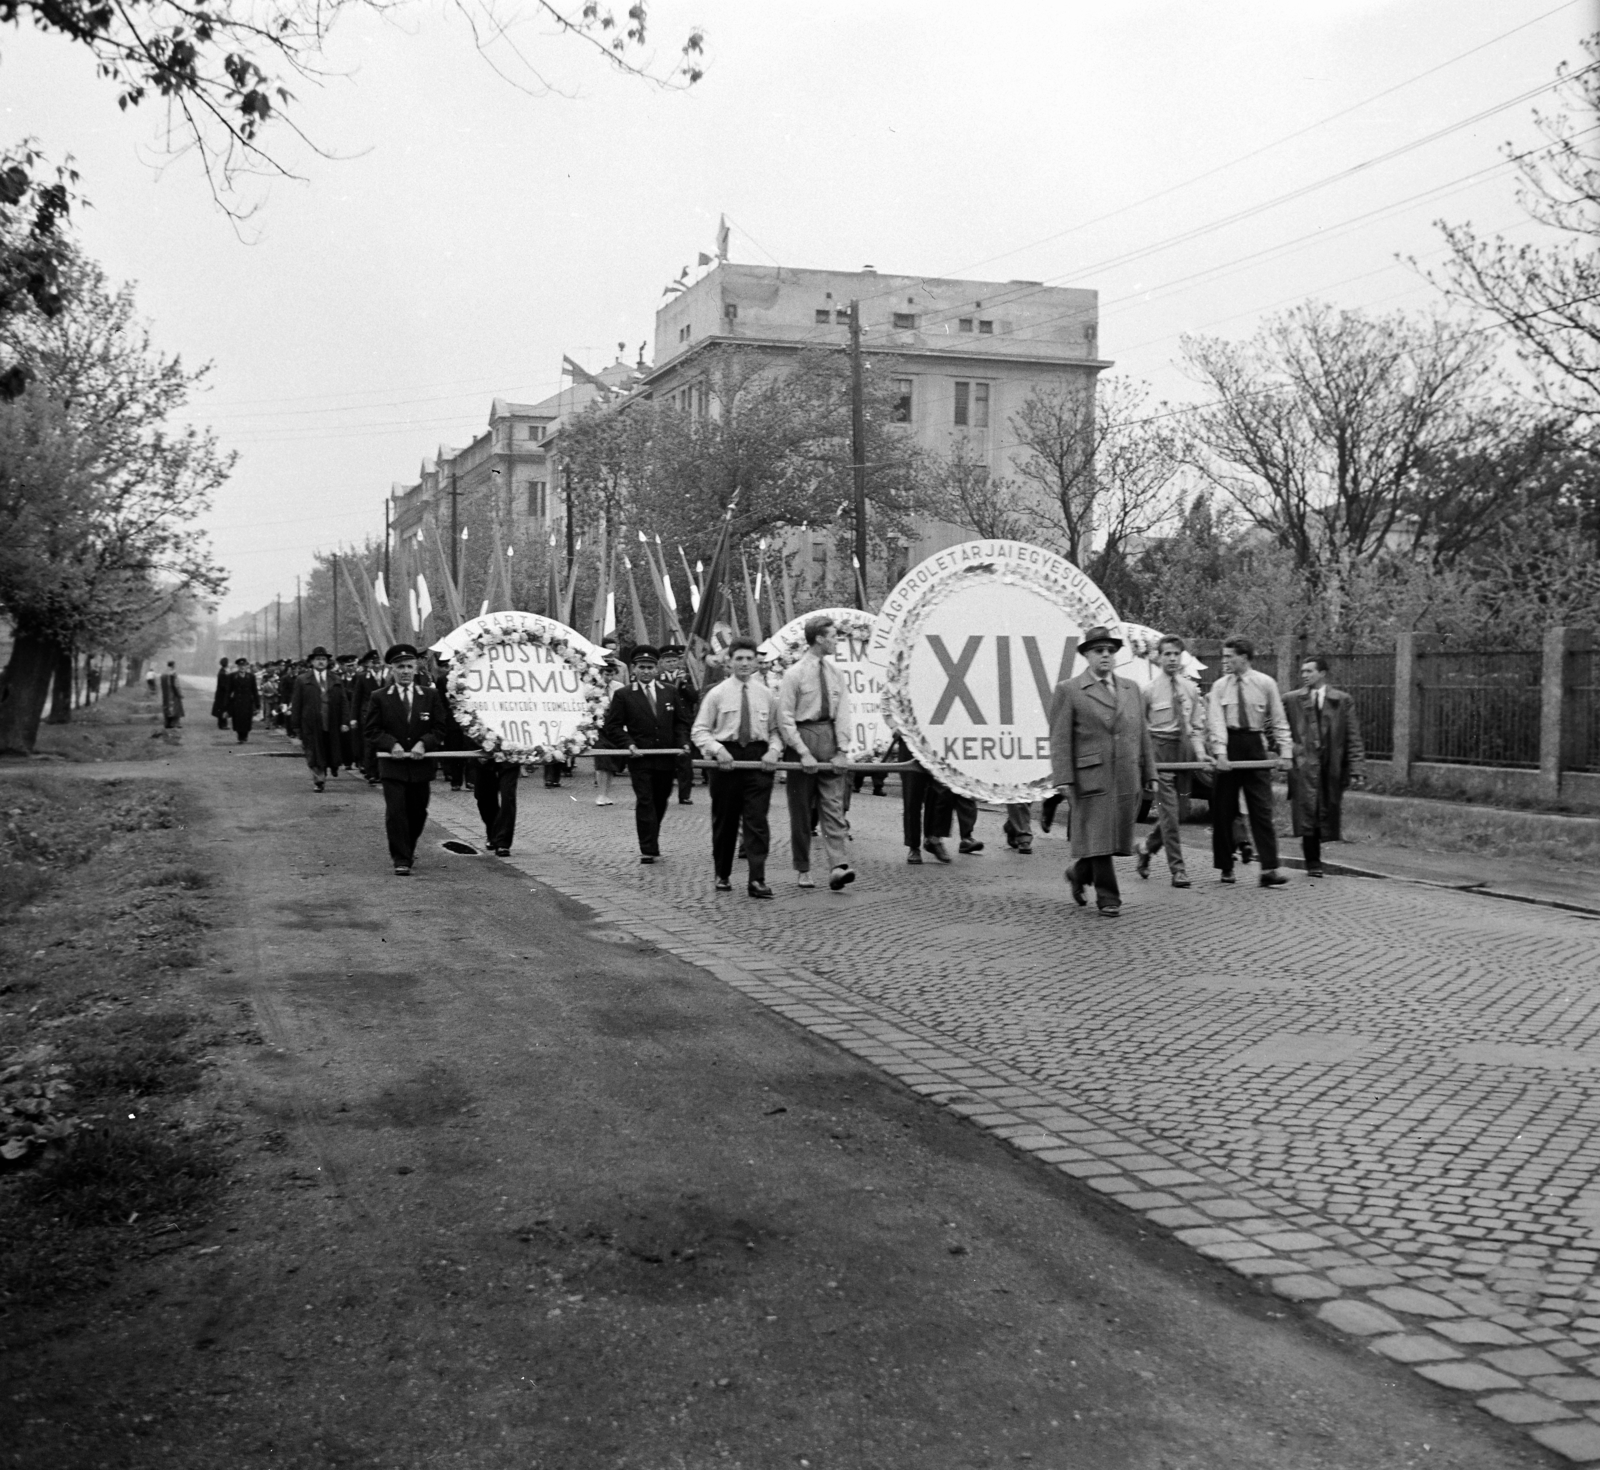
[[1101, 761]]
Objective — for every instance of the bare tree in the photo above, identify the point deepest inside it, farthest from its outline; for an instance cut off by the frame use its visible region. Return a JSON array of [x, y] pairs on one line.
[[1548, 295], [1099, 465], [966, 493], [1318, 426]]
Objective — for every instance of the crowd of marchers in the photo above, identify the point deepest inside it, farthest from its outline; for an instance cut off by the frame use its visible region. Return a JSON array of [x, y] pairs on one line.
[[1118, 746]]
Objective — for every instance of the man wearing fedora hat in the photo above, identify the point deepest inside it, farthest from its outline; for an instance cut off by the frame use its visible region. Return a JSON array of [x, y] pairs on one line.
[[1101, 760], [318, 717], [403, 721]]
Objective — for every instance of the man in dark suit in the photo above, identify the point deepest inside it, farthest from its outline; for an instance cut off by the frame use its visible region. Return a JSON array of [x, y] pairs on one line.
[[219, 701], [1328, 757], [243, 697], [404, 721], [648, 715], [1101, 759], [676, 673], [367, 681], [317, 716]]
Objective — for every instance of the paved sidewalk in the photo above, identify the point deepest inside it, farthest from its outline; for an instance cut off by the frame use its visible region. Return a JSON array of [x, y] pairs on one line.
[[1381, 1099]]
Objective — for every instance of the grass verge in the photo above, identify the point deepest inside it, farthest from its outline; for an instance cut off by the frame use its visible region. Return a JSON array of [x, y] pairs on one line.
[[101, 910], [125, 726]]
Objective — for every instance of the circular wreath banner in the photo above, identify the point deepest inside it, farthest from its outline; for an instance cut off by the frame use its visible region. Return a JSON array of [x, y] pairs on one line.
[[870, 734], [976, 648], [526, 688]]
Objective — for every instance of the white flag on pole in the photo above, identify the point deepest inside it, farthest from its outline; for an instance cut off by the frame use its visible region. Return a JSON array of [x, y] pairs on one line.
[[416, 622], [424, 602], [381, 592]]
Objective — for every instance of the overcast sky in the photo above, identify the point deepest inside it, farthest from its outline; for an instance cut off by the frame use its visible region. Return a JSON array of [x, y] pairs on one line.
[[468, 233]]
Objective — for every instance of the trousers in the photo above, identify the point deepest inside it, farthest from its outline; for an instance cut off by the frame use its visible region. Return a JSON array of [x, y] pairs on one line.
[[1256, 788], [1101, 874], [652, 790], [494, 786], [1167, 748], [828, 792], [405, 814], [741, 799]]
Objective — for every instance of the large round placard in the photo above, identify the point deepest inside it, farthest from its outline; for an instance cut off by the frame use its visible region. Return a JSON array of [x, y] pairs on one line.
[[869, 733], [527, 688], [977, 647]]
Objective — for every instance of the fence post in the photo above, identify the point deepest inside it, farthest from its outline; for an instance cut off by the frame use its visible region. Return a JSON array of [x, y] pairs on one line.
[[1552, 696], [1407, 705]]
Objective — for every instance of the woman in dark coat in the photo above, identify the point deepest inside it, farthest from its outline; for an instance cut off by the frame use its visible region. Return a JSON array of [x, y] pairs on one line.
[[219, 701], [243, 699]]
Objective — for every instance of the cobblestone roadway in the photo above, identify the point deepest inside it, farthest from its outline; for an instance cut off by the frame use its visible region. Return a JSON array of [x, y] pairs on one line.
[[1383, 1098]]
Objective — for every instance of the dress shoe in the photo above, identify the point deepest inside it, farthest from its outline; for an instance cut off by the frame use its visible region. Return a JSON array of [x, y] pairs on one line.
[[502, 852], [724, 885], [969, 846], [759, 890], [842, 875], [1247, 854], [1075, 883], [604, 801], [1110, 911], [1024, 847], [1141, 864], [914, 856], [685, 801], [935, 845], [1273, 879], [1180, 879], [1316, 873], [1227, 877], [805, 880], [647, 857], [401, 871]]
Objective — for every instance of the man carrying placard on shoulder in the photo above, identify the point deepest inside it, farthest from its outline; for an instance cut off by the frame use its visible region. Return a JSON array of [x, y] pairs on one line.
[[814, 720], [403, 722], [737, 721]]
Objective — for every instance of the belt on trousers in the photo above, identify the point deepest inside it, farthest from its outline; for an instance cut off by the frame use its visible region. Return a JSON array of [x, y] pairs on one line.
[[828, 721]]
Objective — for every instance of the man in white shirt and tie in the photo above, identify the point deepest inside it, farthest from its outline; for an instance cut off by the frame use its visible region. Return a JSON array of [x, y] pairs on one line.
[[737, 721], [1328, 757], [1245, 722], [814, 721]]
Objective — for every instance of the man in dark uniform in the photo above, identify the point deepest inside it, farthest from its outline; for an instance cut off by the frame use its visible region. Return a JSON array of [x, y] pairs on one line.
[[350, 734], [675, 671], [243, 696], [368, 680], [219, 700], [403, 722], [317, 716], [651, 716]]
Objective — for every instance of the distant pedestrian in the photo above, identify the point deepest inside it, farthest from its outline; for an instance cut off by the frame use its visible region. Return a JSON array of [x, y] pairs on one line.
[[171, 698], [1174, 713], [243, 698], [91, 683], [1245, 722], [1101, 760], [737, 721], [219, 700], [317, 716], [1328, 757], [675, 671], [404, 722], [648, 716], [814, 720]]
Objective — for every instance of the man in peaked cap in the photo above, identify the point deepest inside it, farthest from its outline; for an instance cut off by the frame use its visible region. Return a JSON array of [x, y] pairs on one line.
[[648, 715], [403, 722], [1101, 759]]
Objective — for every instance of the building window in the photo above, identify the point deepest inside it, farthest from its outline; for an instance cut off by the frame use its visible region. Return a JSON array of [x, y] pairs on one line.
[[900, 411], [536, 432], [986, 329], [824, 316], [905, 321], [702, 400], [537, 505], [980, 405], [964, 325], [730, 310], [963, 399], [841, 318]]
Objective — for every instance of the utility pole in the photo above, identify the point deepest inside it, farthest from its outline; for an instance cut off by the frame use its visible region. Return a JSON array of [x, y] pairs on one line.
[[455, 534], [299, 621], [333, 576], [572, 553], [858, 452]]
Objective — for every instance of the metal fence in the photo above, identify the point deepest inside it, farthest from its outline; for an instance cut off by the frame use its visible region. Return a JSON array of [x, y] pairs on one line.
[[1369, 679], [1480, 709], [1580, 735]]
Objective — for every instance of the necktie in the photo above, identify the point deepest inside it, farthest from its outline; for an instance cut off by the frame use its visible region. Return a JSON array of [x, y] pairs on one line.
[[1244, 709], [746, 735], [825, 711], [1178, 712]]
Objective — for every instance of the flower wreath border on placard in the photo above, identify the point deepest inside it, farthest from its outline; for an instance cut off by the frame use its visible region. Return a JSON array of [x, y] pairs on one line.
[[592, 670], [897, 711], [853, 624]]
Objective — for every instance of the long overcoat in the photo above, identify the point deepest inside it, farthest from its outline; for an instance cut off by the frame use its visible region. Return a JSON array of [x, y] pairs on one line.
[[243, 696], [219, 701], [1100, 751], [1327, 753]]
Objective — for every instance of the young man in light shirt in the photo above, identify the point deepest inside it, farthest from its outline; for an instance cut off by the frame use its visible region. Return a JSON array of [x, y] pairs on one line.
[[814, 721], [1174, 714], [1245, 721], [737, 721]]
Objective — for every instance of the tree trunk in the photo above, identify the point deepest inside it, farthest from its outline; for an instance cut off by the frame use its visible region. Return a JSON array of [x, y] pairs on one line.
[[61, 688], [24, 685]]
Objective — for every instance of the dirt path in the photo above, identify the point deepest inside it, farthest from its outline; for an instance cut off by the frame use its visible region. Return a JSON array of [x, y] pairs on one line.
[[515, 1191]]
